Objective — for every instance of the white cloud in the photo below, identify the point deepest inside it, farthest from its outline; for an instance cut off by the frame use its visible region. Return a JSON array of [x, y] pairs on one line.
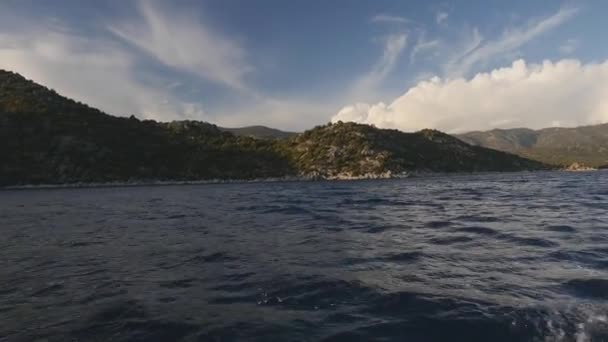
[[94, 71], [521, 95], [182, 41], [389, 19], [569, 46], [441, 17], [479, 52]]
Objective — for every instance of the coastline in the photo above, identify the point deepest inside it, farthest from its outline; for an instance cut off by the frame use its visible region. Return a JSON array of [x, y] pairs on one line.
[[337, 178], [138, 183]]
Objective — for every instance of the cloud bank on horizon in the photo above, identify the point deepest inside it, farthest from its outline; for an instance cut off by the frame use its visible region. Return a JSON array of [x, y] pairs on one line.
[[561, 93], [565, 93], [452, 66]]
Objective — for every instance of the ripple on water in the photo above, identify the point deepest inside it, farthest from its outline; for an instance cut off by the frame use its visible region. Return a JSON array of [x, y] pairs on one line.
[[137, 330], [528, 241], [588, 288], [477, 218], [213, 257], [178, 284], [438, 224], [406, 256], [48, 290], [478, 230], [451, 240], [289, 210], [561, 228]]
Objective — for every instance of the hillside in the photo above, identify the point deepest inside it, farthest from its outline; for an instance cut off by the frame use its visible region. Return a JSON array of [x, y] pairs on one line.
[[260, 132], [351, 150], [586, 145], [47, 138]]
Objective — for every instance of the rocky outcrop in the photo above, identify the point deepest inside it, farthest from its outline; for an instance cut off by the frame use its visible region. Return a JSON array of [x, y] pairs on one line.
[[576, 167]]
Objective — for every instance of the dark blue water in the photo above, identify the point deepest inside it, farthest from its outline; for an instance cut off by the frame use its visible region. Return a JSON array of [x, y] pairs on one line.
[[503, 257]]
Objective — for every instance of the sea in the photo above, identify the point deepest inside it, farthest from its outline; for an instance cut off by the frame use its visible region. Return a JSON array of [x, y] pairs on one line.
[[485, 257]]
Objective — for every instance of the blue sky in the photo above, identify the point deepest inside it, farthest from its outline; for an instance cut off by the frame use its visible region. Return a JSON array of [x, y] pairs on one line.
[[452, 65]]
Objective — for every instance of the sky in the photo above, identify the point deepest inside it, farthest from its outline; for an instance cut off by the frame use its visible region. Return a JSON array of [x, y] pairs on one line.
[[451, 65]]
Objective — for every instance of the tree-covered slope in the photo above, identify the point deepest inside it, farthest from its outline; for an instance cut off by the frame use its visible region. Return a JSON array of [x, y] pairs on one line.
[[47, 138], [352, 149]]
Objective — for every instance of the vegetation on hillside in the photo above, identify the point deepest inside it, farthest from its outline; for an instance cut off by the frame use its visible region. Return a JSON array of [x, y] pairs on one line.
[[353, 150], [47, 138]]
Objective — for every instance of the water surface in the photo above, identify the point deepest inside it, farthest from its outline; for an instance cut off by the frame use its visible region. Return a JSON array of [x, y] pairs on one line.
[[498, 257]]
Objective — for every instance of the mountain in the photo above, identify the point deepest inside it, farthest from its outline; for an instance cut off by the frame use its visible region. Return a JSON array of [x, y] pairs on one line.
[[586, 145], [47, 138], [260, 132]]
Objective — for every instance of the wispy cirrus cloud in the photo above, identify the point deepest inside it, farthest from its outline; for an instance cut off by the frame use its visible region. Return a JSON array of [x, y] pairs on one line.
[[95, 71], [182, 41], [423, 46], [92, 68], [392, 49], [389, 19], [569, 46], [477, 51], [441, 17]]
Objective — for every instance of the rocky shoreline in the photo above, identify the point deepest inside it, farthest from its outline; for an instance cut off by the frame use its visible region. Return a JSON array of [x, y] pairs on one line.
[[136, 183], [307, 178], [576, 167]]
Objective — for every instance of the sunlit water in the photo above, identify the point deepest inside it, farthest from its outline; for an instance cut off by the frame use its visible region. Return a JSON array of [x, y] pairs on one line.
[[501, 257]]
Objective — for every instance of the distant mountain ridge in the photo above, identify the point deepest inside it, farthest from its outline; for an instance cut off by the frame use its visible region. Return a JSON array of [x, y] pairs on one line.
[[587, 145], [260, 132], [46, 138]]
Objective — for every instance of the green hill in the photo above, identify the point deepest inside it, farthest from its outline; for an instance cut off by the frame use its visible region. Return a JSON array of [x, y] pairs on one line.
[[586, 145], [350, 149], [47, 138]]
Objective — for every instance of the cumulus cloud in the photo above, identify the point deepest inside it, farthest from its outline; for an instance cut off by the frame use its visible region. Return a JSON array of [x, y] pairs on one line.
[[182, 41], [566, 92]]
